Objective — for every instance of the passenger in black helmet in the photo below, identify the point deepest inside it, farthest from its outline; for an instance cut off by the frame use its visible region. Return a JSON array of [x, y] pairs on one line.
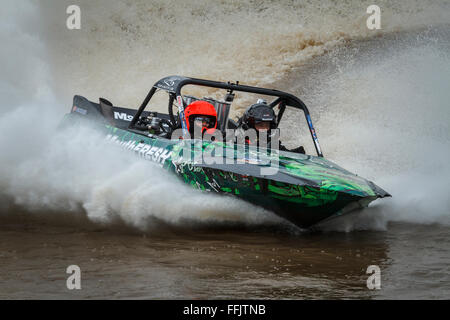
[[259, 117], [262, 118]]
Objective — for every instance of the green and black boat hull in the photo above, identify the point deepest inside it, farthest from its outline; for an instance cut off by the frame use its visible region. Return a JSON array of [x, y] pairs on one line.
[[303, 189]]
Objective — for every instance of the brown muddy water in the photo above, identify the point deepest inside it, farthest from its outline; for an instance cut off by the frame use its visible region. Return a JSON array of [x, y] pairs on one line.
[[220, 262]]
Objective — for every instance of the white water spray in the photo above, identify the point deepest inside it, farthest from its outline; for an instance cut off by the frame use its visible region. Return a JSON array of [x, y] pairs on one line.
[[74, 170], [124, 47], [390, 121]]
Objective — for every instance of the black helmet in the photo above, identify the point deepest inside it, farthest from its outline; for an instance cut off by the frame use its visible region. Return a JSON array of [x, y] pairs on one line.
[[259, 112]]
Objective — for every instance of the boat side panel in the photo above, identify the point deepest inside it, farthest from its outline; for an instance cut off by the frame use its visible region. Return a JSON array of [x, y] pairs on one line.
[[304, 205]]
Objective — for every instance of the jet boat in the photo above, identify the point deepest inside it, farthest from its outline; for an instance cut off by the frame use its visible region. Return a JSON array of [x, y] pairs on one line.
[[304, 189]]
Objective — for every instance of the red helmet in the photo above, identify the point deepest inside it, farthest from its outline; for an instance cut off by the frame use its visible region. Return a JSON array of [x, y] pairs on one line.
[[201, 111]]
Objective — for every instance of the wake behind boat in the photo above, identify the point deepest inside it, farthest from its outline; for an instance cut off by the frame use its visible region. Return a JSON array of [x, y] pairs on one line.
[[303, 189]]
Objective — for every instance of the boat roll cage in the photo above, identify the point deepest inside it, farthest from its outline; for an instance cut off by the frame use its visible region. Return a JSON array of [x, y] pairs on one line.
[[174, 84]]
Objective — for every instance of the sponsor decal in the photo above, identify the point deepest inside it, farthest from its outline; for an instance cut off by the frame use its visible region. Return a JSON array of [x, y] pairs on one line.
[[169, 83], [122, 116], [79, 110], [316, 141], [148, 152], [182, 118], [248, 160], [180, 103]]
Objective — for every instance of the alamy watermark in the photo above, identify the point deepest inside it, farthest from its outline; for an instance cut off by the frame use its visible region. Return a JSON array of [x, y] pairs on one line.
[[73, 282], [374, 280], [73, 22], [374, 20], [234, 147]]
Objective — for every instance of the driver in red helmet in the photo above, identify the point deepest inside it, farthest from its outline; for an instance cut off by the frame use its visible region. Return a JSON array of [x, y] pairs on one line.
[[201, 117]]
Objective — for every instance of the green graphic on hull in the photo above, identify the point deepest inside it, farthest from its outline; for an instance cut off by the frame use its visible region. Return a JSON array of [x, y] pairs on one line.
[[325, 180], [304, 189]]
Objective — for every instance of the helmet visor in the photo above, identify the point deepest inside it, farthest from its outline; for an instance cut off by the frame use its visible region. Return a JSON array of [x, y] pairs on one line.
[[263, 125], [204, 122]]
